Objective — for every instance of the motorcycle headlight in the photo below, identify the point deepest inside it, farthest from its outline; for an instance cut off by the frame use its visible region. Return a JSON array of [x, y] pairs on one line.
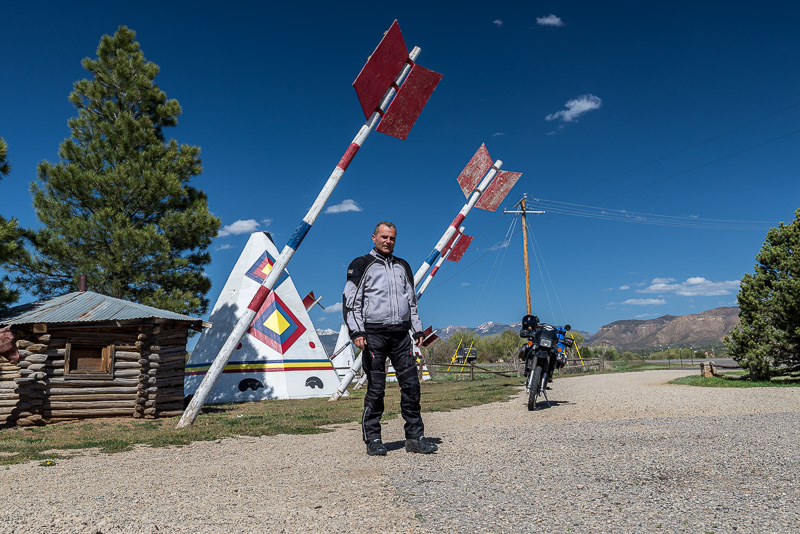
[[546, 343]]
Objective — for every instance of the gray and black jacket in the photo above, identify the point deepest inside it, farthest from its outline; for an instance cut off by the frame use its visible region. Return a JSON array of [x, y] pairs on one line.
[[379, 295]]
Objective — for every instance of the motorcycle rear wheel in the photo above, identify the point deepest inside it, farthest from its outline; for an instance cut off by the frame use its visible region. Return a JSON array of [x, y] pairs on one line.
[[535, 389]]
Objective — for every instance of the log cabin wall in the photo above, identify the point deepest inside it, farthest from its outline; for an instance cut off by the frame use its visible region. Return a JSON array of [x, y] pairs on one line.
[[82, 371], [9, 398]]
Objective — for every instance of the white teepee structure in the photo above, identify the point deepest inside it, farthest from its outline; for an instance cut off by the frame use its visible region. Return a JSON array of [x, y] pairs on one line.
[[281, 357]]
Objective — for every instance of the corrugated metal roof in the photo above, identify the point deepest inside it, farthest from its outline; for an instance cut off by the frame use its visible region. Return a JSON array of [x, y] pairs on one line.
[[84, 306]]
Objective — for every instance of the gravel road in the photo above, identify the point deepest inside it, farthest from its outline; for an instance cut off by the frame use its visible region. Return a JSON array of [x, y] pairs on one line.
[[614, 453]]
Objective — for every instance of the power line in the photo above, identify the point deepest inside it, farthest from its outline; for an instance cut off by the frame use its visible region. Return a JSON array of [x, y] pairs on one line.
[[595, 212]]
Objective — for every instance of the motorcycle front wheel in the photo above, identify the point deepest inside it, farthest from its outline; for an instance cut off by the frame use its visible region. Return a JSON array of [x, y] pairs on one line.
[[535, 389]]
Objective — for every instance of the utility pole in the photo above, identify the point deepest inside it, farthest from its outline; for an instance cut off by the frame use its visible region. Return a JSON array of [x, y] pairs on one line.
[[522, 211]]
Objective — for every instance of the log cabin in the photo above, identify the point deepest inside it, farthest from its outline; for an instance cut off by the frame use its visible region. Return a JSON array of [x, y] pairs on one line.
[[85, 355]]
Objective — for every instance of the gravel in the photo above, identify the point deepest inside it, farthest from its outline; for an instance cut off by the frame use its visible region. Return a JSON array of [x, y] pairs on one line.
[[614, 453]]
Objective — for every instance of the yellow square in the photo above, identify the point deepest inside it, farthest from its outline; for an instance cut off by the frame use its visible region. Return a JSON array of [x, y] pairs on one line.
[[277, 322]]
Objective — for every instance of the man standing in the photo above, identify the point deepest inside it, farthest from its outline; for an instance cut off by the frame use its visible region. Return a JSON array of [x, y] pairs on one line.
[[380, 308]]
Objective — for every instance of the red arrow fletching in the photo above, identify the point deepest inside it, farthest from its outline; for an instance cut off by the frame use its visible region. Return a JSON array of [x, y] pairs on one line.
[[477, 167], [460, 248], [380, 70], [497, 190], [407, 105]]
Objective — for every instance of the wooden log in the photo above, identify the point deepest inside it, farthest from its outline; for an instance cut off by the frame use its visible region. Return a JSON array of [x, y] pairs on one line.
[[92, 390], [127, 355], [154, 358], [172, 366], [150, 403], [150, 411], [165, 375], [4, 403], [23, 344], [6, 395], [126, 365], [80, 382], [36, 347], [36, 375], [36, 367], [90, 405], [130, 397], [44, 338], [24, 380], [125, 373], [5, 376], [55, 353]]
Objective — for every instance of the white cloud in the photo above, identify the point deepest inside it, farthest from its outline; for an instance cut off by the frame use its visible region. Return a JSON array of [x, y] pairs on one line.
[[464, 284], [498, 134], [644, 302], [695, 286], [266, 222], [224, 247], [334, 308], [550, 20], [501, 244], [242, 226], [576, 107], [344, 206], [497, 22], [625, 287]]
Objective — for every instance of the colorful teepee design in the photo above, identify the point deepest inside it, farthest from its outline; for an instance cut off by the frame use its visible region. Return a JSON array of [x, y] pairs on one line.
[[281, 356]]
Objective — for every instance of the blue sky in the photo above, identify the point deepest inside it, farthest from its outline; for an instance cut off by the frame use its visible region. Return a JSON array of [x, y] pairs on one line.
[[640, 125]]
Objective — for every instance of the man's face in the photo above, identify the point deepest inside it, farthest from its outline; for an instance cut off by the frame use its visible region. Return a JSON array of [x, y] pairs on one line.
[[384, 239]]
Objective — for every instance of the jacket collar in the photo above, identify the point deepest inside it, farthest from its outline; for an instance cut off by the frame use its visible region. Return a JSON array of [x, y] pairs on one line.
[[376, 254]]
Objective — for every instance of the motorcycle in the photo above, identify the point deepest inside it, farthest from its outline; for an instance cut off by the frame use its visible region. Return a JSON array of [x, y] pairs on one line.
[[544, 352]]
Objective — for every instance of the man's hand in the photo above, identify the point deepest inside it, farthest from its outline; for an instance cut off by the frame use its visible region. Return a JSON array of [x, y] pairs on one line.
[[360, 342], [418, 340]]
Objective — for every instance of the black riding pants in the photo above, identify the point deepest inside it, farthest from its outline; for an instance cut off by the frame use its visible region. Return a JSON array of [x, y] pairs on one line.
[[395, 345]]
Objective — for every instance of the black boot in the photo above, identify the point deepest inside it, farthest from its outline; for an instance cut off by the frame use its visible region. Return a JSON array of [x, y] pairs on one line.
[[420, 445], [376, 447]]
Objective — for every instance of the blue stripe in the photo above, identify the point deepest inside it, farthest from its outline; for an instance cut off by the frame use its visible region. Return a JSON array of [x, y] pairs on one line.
[[299, 235], [432, 257]]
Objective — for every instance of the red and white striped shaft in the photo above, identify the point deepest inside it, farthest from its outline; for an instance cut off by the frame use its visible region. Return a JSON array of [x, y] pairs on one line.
[[473, 199], [238, 332], [439, 262]]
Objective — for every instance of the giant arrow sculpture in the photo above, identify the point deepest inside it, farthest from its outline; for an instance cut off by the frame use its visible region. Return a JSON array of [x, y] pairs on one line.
[[392, 90]]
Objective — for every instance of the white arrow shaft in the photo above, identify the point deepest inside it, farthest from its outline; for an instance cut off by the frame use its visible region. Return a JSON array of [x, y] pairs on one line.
[[216, 368]]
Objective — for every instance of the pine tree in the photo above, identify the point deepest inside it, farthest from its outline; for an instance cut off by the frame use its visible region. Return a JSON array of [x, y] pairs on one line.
[[118, 207], [767, 339], [9, 237]]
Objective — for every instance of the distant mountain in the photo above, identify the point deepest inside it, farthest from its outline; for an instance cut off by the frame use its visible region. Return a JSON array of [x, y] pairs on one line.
[[698, 329], [328, 337]]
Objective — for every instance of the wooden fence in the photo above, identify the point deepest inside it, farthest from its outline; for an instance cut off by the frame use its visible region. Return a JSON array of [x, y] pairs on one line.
[[509, 369]]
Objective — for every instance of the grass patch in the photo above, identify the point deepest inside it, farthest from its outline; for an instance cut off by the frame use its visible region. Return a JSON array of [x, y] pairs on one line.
[[736, 379], [266, 418]]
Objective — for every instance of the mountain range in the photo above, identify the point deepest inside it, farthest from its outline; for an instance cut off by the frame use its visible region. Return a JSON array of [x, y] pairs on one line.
[[698, 329]]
